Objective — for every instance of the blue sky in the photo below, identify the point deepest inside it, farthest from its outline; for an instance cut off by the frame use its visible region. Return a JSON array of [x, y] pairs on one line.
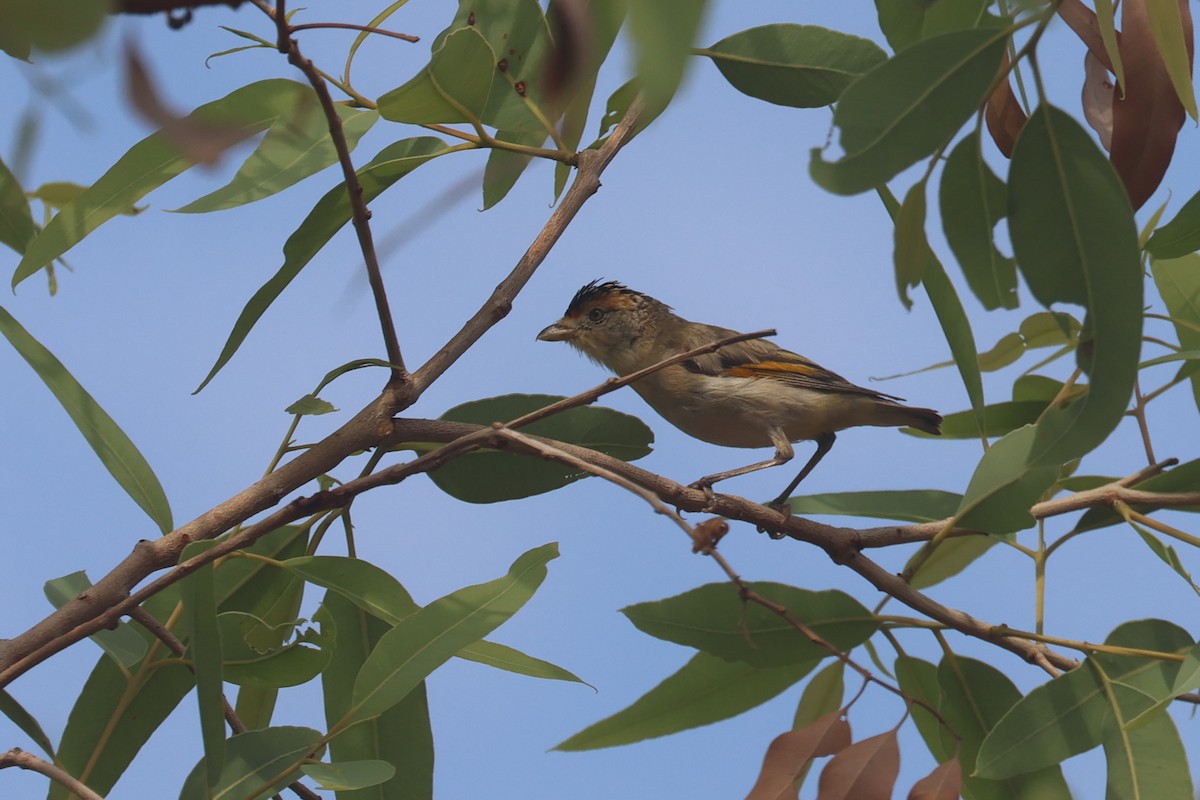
[[710, 210]]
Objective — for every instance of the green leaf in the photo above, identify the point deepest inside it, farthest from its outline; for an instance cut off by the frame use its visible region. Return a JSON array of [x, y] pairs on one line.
[[345, 776], [973, 201], [901, 21], [122, 643], [489, 476], [1180, 236], [916, 505], [16, 221], [50, 25], [705, 690], [950, 558], [912, 252], [918, 679], [367, 586], [1174, 47], [1002, 418], [296, 146], [1005, 486], [25, 721], [204, 652], [509, 659], [328, 216], [943, 16], [974, 696], [257, 764], [425, 640], [1178, 282], [504, 167], [115, 450], [400, 736], [822, 695], [1073, 713], [951, 316], [149, 164], [802, 66], [112, 719], [906, 108], [1075, 241], [310, 405], [663, 33], [1149, 761], [278, 666], [252, 586], [1166, 554], [715, 619]]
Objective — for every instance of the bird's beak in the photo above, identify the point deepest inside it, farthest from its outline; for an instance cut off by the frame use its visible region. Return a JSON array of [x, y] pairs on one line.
[[558, 332]]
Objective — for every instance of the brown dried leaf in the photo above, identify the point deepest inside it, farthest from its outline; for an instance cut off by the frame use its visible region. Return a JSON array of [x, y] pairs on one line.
[[198, 141], [1147, 116], [789, 752], [1082, 20], [1097, 98], [1004, 115], [865, 770], [944, 783]]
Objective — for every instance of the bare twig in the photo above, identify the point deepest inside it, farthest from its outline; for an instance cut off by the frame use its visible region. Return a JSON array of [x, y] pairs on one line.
[[360, 215], [17, 757]]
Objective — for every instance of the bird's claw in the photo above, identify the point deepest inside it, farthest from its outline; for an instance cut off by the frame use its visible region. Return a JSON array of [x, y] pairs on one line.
[[709, 495], [781, 505]]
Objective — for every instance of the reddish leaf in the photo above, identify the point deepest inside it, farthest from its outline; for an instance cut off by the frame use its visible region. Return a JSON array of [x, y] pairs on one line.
[[1082, 20], [863, 771], [789, 752], [1004, 115], [1148, 115], [1098, 92], [944, 783]]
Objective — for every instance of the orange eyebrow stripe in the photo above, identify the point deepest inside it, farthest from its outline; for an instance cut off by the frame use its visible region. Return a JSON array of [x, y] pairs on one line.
[[756, 370]]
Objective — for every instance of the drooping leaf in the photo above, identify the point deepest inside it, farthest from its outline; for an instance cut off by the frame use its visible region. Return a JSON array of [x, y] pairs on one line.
[[346, 776], [865, 770], [1178, 282], [907, 107], [1075, 241], [504, 167], [49, 26], [493, 476], [705, 690], [16, 221], [912, 252], [1147, 761], [663, 33], [972, 201], [916, 505], [296, 146], [1180, 236], [204, 653], [803, 66], [425, 640], [500, 656], [25, 722], [789, 754], [1183, 478], [257, 764], [151, 163], [115, 450], [714, 619], [1004, 486], [328, 216], [400, 736], [944, 783]]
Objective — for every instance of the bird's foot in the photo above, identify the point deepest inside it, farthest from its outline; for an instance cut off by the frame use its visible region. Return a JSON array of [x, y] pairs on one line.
[[709, 495], [781, 505]]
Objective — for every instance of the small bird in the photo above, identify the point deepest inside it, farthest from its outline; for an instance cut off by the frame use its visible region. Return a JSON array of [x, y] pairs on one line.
[[747, 394]]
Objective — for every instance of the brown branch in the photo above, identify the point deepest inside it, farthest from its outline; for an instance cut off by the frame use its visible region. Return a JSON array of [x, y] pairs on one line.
[[360, 215], [592, 164], [160, 6], [17, 757]]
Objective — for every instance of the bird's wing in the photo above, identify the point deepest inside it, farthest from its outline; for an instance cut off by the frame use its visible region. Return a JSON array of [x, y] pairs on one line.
[[766, 360]]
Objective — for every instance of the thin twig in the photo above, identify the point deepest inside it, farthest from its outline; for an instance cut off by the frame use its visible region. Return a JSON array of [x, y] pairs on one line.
[[360, 215], [17, 757]]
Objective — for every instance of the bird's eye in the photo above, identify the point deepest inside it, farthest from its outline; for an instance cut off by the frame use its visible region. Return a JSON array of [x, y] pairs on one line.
[[596, 314]]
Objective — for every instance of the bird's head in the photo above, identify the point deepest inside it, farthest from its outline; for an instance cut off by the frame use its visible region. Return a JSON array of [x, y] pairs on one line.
[[609, 323]]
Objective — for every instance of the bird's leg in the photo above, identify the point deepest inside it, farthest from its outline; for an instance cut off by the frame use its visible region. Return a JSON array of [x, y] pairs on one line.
[[824, 443], [783, 454]]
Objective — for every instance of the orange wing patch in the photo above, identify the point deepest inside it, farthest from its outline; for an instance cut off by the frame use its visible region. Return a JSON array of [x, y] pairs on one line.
[[775, 369]]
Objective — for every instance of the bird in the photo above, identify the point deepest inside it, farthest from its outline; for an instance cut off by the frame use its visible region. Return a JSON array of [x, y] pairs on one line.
[[748, 394]]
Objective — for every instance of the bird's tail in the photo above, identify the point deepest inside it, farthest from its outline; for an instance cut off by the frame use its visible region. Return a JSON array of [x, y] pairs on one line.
[[923, 419]]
